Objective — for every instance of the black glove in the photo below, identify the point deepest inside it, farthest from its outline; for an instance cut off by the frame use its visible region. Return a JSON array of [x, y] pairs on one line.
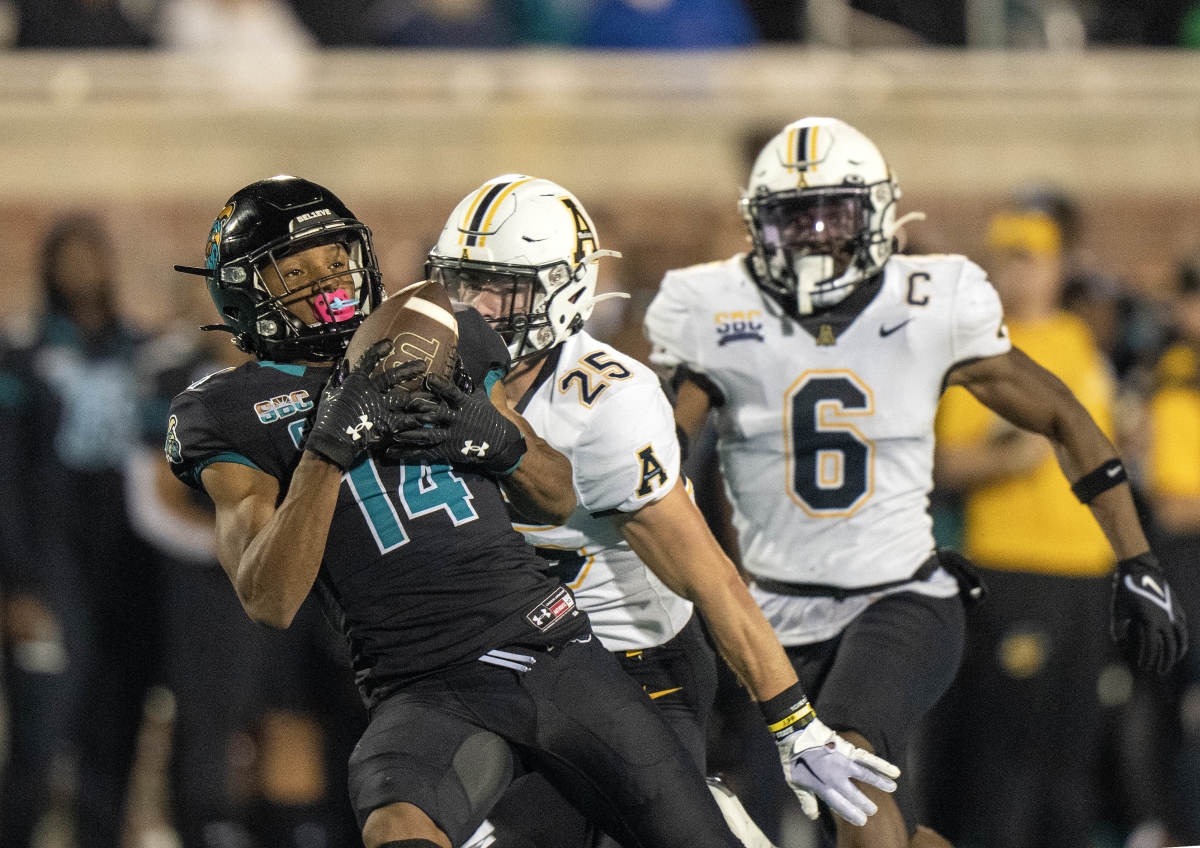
[[358, 411], [1146, 614], [458, 429]]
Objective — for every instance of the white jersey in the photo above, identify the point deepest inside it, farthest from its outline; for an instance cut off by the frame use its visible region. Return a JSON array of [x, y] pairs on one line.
[[825, 434], [607, 413]]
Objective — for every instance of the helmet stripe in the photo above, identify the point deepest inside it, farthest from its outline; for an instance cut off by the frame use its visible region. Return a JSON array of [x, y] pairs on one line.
[[496, 205], [471, 219]]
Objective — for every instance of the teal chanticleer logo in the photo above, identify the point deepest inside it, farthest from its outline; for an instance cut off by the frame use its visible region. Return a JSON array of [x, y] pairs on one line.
[[173, 447], [212, 253]]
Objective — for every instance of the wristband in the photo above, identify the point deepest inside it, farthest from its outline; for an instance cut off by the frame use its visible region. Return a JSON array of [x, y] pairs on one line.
[[787, 712], [1099, 480]]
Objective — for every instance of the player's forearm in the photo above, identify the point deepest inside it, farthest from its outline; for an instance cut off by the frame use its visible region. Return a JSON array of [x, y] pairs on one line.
[[276, 570], [1117, 516], [541, 488], [744, 637], [671, 538], [1081, 447]]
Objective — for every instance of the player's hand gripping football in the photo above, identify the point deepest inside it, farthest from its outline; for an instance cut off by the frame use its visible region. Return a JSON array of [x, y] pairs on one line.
[[464, 430], [817, 763], [1146, 614], [358, 411]]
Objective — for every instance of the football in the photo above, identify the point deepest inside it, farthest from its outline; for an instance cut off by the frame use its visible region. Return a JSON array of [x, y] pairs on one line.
[[420, 322]]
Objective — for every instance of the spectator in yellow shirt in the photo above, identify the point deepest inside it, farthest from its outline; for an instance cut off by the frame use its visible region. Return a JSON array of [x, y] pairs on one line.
[[1020, 722], [1173, 488]]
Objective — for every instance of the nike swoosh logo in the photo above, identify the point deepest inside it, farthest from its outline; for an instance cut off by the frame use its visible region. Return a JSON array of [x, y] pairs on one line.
[[1156, 595], [887, 331], [662, 692], [1114, 471]]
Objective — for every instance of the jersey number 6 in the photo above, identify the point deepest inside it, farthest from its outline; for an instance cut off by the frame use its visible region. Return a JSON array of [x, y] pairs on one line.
[[830, 464]]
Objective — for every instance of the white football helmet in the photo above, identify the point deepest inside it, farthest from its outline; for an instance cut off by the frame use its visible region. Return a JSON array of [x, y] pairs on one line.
[[522, 251], [821, 212]]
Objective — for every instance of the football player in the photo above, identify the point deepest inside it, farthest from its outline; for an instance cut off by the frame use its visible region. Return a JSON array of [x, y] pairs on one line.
[[824, 353], [636, 551], [465, 650]]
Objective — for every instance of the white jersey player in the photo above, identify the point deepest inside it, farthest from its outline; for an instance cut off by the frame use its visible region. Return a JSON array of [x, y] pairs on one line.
[[636, 552], [617, 427], [825, 355], [826, 424]]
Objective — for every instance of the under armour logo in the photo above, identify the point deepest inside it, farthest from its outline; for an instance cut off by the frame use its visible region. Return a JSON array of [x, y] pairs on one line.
[[540, 617], [355, 430], [469, 448]]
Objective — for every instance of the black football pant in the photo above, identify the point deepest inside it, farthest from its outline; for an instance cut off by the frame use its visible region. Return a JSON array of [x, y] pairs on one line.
[[451, 743], [680, 677]]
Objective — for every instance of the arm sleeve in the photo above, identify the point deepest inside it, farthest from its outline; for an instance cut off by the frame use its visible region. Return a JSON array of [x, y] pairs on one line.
[[630, 455], [977, 321]]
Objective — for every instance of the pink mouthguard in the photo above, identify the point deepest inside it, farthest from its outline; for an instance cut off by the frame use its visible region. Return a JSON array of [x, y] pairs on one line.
[[335, 306]]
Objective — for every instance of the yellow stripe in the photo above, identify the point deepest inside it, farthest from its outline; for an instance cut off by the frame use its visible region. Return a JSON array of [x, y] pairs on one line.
[[812, 145], [654, 695], [633, 653], [466, 221], [487, 222], [791, 143], [802, 713]]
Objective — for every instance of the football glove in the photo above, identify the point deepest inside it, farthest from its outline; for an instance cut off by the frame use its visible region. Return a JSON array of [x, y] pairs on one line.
[[459, 429], [1146, 615], [817, 763], [356, 410]]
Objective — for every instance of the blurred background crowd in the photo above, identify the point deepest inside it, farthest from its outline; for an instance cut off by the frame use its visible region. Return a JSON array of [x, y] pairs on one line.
[[182, 24], [1055, 142]]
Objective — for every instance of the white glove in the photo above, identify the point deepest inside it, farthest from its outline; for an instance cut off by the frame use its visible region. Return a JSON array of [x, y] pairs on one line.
[[817, 763]]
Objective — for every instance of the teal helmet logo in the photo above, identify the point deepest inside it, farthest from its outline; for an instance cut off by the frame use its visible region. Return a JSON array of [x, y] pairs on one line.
[[212, 253]]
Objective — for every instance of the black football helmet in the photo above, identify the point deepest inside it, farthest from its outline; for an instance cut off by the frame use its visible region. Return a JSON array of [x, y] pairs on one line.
[[274, 311]]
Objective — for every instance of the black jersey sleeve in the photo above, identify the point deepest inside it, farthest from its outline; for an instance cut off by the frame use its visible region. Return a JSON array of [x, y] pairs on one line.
[[482, 351], [196, 439]]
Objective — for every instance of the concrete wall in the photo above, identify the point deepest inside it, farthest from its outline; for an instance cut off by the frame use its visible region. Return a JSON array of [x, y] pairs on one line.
[[655, 144]]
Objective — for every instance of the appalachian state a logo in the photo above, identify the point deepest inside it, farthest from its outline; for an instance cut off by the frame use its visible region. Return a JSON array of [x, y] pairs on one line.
[[653, 473]]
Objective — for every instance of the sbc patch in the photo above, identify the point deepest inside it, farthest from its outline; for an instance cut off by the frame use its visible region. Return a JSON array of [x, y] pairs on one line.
[[554, 607]]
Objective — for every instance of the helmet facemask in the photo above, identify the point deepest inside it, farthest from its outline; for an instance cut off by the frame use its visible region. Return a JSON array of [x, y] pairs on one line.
[[518, 301], [812, 246], [523, 252], [311, 291]]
